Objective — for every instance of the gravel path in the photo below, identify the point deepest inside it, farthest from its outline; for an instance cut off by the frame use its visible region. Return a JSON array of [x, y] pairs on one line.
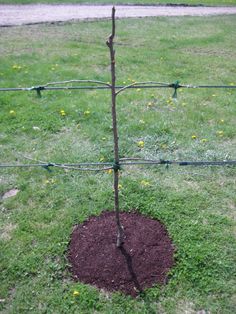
[[11, 15]]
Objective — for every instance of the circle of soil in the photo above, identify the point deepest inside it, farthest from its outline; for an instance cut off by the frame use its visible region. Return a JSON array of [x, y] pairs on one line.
[[142, 261]]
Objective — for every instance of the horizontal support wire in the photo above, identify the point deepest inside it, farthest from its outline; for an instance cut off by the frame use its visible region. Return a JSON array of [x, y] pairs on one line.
[[104, 85], [123, 162]]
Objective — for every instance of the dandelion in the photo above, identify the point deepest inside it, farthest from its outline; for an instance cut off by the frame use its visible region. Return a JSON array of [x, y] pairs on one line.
[[16, 67], [204, 140], [104, 138], [141, 121], [222, 120], [12, 112], [140, 144], [50, 181], [138, 89], [170, 101], [220, 133], [194, 137], [87, 113], [76, 293], [145, 183], [36, 128], [150, 104], [62, 113], [163, 146], [109, 171]]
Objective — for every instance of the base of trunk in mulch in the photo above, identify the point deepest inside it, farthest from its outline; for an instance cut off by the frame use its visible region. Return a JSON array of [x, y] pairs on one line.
[[144, 260]]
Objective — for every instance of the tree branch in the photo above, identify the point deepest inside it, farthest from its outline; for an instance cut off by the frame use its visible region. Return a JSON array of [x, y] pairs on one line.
[[110, 44]]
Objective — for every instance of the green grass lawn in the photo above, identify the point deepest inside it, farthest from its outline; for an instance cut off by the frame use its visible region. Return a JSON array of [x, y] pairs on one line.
[[190, 2], [197, 204]]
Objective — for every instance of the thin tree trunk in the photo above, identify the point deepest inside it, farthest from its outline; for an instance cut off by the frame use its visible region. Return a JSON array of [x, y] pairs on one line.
[[110, 44]]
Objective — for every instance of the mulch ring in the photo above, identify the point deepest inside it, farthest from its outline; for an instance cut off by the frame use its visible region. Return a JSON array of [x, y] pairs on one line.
[[144, 260]]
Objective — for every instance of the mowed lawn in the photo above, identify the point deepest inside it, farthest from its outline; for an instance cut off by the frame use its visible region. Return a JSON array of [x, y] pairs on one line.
[[196, 204]]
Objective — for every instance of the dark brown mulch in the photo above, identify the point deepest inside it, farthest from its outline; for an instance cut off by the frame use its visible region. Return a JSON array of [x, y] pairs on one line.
[[143, 260]]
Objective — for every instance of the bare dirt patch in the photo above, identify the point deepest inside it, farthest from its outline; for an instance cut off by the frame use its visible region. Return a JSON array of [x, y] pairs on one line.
[[144, 260]]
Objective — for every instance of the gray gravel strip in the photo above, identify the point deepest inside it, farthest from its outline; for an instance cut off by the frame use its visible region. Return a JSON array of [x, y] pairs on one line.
[[11, 15]]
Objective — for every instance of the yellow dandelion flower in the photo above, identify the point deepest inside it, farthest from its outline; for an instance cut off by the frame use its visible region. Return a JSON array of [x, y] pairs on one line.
[[204, 140], [62, 112], [194, 137], [76, 293], [87, 113], [12, 112], [170, 101], [140, 144], [220, 133], [145, 183], [150, 104], [16, 67], [222, 120], [104, 138]]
